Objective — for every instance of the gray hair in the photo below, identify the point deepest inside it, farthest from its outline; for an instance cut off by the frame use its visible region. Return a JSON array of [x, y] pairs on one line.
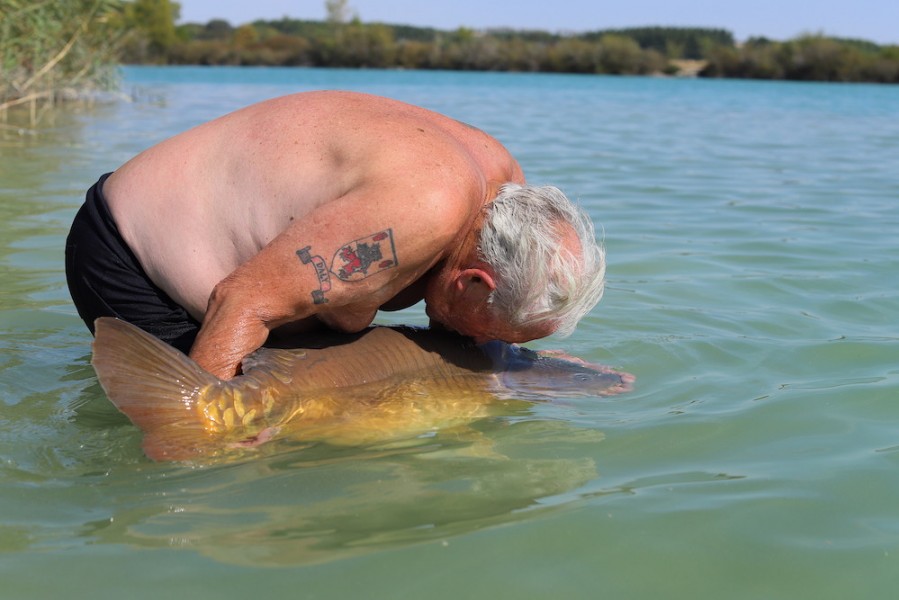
[[537, 278]]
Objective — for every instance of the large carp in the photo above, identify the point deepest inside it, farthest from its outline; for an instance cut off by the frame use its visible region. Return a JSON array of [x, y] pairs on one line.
[[381, 384]]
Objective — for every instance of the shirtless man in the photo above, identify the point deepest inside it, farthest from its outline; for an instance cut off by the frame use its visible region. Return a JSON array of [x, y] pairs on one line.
[[321, 208]]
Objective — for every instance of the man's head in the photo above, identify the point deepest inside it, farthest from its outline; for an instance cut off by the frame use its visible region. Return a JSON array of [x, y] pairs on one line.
[[536, 269]]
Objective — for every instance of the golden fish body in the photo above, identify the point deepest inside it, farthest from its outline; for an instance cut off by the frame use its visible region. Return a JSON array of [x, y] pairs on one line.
[[381, 384]]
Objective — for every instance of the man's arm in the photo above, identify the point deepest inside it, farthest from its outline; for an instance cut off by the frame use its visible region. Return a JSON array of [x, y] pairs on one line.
[[341, 262]]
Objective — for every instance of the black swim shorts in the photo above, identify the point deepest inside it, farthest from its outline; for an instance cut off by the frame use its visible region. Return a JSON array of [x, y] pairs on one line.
[[106, 279]]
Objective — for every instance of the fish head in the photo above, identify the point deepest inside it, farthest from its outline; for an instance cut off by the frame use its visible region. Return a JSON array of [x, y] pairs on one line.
[[552, 374]]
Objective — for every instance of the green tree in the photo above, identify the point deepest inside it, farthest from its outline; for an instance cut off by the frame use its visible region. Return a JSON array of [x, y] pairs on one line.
[[152, 24], [573, 55], [620, 55], [245, 36], [338, 11], [817, 58], [360, 45], [216, 29]]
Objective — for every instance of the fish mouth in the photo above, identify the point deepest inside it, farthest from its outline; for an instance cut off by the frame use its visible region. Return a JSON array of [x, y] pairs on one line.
[[266, 435], [576, 385]]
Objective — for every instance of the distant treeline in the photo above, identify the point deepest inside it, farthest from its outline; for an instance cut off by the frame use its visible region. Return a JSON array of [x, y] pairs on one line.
[[290, 42], [808, 58], [633, 51]]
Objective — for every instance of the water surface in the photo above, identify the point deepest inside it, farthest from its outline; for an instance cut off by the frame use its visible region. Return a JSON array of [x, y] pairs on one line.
[[752, 232]]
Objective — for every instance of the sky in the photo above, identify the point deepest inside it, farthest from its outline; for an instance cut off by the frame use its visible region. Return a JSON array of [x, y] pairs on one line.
[[872, 20]]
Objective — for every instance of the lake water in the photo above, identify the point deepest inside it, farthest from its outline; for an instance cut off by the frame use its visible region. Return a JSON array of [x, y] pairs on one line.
[[752, 232]]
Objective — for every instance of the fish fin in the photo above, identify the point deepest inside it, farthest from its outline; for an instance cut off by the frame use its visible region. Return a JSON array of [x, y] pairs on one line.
[[278, 361], [154, 385]]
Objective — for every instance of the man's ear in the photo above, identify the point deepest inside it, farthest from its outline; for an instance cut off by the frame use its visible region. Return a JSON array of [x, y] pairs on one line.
[[474, 285]]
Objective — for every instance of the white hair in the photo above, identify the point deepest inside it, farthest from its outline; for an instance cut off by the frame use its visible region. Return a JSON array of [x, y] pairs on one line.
[[538, 279]]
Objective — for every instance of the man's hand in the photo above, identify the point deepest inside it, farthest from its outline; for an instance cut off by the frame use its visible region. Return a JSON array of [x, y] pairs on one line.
[[230, 332]]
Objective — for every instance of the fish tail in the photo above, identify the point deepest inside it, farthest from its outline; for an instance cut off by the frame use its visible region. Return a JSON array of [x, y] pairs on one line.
[[154, 385]]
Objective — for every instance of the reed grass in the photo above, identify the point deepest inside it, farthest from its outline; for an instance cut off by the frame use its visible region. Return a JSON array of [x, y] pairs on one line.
[[52, 50]]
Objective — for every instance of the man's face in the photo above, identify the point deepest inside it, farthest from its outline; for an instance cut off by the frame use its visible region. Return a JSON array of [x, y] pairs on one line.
[[483, 325]]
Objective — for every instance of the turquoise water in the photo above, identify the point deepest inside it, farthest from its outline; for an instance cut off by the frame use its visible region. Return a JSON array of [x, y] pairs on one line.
[[752, 230]]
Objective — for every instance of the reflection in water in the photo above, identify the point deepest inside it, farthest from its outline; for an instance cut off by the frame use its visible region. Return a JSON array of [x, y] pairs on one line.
[[321, 503]]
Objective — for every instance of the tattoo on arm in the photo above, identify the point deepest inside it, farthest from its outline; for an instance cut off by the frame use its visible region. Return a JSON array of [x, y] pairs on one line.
[[321, 270], [353, 261], [365, 257]]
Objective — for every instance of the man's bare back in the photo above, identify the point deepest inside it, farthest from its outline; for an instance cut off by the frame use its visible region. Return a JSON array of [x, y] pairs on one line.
[[262, 218], [197, 206]]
